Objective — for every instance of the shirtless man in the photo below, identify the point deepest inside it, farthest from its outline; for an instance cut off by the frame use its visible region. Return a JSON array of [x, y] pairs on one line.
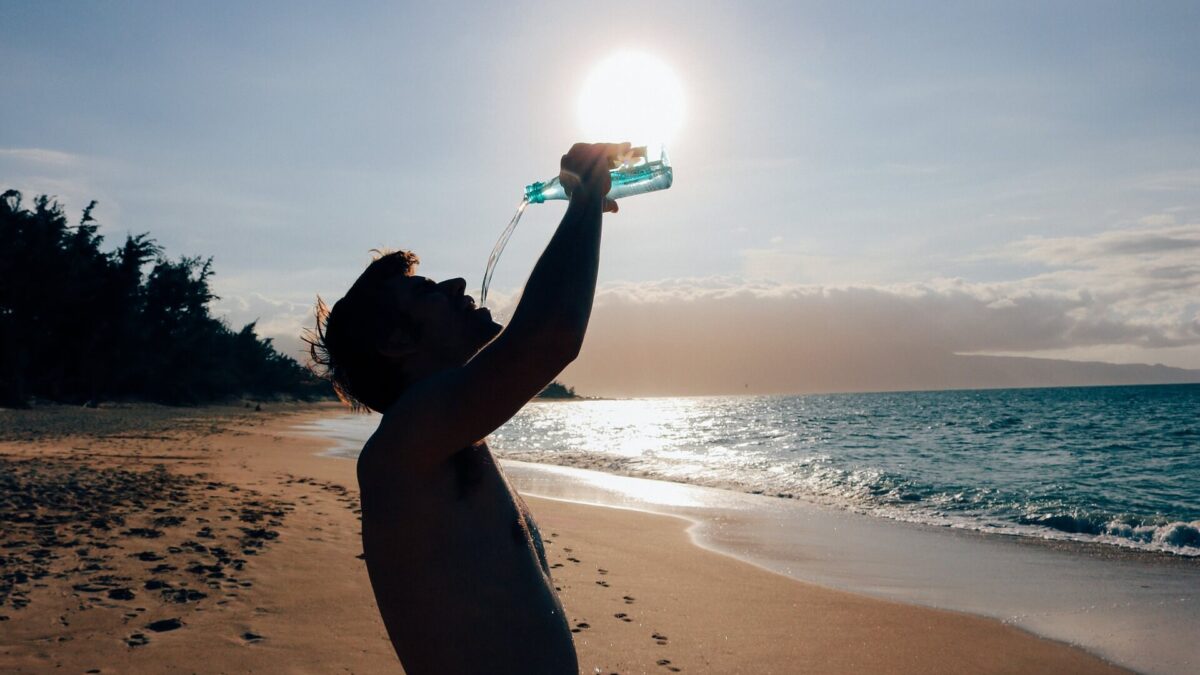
[[455, 559]]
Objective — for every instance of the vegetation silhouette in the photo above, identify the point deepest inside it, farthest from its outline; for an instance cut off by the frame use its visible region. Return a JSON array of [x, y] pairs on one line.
[[81, 325], [557, 390]]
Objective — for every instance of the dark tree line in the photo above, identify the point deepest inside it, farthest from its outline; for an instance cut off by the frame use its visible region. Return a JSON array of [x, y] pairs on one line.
[[78, 324], [557, 389]]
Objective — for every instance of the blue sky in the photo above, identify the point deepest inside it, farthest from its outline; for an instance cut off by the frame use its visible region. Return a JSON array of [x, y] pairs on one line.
[[1026, 154]]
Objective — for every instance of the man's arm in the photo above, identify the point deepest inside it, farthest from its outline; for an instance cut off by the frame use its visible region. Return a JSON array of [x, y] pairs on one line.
[[454, 408]]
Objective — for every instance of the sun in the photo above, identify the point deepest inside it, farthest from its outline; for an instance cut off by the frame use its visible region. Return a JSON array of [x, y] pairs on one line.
[[631, 96]]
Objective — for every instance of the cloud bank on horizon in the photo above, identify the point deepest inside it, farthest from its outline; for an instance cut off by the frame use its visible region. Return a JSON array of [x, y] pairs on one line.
[[1127, 296]]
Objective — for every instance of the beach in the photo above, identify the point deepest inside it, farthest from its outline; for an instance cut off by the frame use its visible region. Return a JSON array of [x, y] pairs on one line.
[[223, 540]]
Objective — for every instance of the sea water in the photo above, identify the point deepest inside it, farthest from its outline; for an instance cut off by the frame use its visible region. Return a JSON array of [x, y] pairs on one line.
[[1111, 465]]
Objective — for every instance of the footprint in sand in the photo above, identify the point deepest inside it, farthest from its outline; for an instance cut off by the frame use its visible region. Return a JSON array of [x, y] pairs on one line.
[[602, 583], [623, 616], [252, 637], [164, 625], [659, 638], [667, 663], [628, 599], [582, 625], [574, 560], [137, 640]]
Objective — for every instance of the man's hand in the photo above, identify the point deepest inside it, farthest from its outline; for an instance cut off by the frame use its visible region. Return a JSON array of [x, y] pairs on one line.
[[585, 167]]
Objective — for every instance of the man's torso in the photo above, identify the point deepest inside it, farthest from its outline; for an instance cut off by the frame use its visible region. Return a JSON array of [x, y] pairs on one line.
[[458, 568]]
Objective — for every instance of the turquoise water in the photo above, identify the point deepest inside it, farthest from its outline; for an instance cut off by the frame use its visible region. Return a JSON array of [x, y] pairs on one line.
[[1115, 465], [1118, 465]]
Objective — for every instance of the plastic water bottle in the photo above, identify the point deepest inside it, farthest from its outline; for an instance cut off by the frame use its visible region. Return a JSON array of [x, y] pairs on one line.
[[632, 178], [635, 177]]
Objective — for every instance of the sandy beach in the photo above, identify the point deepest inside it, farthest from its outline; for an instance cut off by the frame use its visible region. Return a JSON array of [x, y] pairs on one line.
[[219, 540]]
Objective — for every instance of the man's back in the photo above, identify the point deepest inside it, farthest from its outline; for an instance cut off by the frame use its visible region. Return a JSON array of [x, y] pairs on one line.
[[457, 568]]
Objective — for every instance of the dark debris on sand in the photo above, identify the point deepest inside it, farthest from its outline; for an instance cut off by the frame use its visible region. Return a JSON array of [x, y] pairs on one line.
[[70, 522]]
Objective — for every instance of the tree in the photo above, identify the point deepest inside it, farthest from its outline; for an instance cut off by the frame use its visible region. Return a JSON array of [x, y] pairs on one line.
[[79, 324]]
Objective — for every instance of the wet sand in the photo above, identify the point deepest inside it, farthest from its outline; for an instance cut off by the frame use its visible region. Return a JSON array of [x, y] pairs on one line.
[[217, 540]]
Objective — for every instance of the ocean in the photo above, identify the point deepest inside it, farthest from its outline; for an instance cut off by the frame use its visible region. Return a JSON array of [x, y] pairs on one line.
[[1117, 466]]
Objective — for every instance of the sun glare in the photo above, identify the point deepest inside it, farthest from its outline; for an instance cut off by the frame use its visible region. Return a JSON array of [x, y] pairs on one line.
[[631, 96]]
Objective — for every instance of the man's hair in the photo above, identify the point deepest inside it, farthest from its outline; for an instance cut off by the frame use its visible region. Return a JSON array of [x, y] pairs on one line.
[[344, 345]]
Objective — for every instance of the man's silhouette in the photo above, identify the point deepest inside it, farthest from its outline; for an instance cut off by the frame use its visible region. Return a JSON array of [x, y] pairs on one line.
[[455, 559]]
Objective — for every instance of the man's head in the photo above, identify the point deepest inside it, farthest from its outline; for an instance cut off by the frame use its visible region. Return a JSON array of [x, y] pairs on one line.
[[393, 328]]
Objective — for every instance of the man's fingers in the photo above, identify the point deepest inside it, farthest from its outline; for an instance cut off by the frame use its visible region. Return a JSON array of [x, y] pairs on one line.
[[617, 153], [610, 206]]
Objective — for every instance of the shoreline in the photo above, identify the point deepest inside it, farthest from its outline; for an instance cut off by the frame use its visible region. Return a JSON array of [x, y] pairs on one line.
[[717, 517], [643, 597], [1033, 583], [1138, 611]]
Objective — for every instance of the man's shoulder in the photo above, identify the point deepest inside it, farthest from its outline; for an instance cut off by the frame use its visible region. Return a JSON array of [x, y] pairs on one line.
[[394, 447]]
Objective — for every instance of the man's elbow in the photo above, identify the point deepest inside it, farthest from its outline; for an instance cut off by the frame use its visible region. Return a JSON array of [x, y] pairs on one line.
[[560, 348], [566, 349]]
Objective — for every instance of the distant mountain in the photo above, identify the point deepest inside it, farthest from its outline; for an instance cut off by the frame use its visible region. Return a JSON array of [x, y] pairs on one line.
[[1017, 371], [829, 371]]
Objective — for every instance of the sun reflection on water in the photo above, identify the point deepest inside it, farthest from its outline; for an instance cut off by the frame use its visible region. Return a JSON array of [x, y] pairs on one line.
[[631, 428]]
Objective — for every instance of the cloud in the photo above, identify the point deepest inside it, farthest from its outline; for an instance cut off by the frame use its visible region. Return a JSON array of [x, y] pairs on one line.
[[1160, 238], [1132, 291], [72, 179], [41, 156], [281, 320], [1135, 291], [697, 337], [1171, 181], [1148, 277]]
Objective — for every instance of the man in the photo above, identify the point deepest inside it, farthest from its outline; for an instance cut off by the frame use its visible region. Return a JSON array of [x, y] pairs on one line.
[[455, 559]]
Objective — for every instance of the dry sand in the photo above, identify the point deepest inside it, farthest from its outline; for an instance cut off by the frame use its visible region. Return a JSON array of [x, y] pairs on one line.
[[153, 540]]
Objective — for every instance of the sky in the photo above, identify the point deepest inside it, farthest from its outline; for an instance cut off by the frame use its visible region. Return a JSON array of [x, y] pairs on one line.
[[855, 183]]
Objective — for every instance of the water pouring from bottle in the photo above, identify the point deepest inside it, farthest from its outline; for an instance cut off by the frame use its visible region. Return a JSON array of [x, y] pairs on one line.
[[637, 175]]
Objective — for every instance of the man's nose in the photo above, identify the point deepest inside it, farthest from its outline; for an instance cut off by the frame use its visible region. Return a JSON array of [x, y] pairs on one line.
[[454, 287]]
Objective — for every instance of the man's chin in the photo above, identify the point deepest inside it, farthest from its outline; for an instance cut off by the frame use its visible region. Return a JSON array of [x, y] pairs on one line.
[[492, 329], [488, 328]]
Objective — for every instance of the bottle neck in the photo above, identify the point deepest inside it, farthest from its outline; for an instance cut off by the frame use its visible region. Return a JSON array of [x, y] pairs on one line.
[[540, 191], [533, 193]]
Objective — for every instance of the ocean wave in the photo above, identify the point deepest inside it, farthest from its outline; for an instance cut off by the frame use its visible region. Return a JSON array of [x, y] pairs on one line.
[[883, 494], [1173, 534], [1176, 534]]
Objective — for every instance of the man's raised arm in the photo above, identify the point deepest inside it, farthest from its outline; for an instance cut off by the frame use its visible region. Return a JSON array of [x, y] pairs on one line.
[[457, 407]]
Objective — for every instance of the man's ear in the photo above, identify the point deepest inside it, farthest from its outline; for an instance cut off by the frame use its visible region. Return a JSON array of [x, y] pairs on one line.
[[399, 345]]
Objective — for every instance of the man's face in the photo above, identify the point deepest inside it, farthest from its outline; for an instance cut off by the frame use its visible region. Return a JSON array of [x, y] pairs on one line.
[[450, 328]]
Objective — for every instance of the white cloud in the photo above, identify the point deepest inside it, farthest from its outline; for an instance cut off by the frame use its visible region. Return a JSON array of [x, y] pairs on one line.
[[1132, 292], [41, 156], [1148, 277], [1125, 293], [1171, 181], [282, 320]]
